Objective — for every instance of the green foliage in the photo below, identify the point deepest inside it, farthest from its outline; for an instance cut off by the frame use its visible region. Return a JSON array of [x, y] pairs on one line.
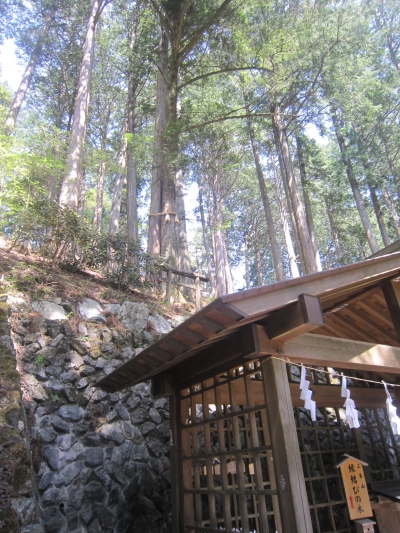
[[39, 361], [64, 238], [123, 259]]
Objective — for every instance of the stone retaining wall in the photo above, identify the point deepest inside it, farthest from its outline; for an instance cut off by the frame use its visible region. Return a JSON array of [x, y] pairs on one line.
[[100, 460]]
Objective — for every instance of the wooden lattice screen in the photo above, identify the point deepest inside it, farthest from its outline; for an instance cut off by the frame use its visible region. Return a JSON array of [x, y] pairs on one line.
[[323, 443], [225, 432]]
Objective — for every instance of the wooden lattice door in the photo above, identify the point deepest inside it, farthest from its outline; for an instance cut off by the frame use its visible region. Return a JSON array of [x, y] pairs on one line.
[[228, 476]]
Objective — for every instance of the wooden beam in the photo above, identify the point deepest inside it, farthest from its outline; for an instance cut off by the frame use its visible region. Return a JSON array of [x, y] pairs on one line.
[[185, 274], [391, 292], [331, 351], [292, 494], [299, 317], [184, 285], [330, 396], [324, 395]]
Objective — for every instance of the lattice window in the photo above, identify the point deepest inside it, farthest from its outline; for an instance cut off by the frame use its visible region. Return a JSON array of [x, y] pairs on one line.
[[225, 432], [323, 443], [381, 446]]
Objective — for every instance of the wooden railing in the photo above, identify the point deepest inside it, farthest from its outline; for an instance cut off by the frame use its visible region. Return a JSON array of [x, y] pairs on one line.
[[182, 273]]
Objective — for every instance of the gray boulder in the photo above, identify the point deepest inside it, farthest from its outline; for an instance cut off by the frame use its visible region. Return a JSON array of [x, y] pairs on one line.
[[91, 311], [49, 310], [134, 316], [159, 324], [112, 308], [34, 388]]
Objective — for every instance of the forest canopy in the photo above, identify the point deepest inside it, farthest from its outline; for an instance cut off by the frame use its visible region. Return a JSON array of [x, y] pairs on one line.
[[282, 117]]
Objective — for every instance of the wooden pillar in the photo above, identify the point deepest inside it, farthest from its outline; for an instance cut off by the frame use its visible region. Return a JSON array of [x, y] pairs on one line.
[[290, 482], [176, 463], [198, 294]]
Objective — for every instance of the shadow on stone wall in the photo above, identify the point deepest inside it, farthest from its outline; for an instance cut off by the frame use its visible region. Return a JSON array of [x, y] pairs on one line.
[[101, 460]]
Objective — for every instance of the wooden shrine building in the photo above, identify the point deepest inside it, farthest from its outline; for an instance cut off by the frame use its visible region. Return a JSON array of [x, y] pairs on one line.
[[245, 454]]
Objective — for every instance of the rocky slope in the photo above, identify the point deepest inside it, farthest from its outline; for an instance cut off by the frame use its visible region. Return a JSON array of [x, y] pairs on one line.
[[80, 460]]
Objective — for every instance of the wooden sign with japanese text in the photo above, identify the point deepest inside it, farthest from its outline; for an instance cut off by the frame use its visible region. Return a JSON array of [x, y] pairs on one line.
[[355, 487]]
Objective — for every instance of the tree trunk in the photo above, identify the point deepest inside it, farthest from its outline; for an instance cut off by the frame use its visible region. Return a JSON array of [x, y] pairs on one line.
[[22, 91], [219, 254], [371, 186], [155, 220], [334, 232], [172, 240], [118, 185], [171, 166], [228, 272], [131, 181], [354, 186], [290, 209], [391, 165], [132, 230], [307, 203], [28, 74], [259, 266], [205, 234], [265, 200], [394, 214], [72, 183], [98, 211], [294, 269], [378, 214], [246, 261], [300, 219], [183, 251]]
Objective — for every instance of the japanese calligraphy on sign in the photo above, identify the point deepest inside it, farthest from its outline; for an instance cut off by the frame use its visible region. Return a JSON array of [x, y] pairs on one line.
[[355, 487]]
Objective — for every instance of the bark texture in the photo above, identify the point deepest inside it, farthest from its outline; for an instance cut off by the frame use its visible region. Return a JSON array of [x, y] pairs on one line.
[[265, 200], [72, 182], [23, 88], [362, 211], [118, 185], [310, 265], [155, 220], [307, 202], [294, 269]]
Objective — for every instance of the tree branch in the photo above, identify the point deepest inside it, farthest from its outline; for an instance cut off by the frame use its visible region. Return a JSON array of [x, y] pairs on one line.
[[164, 19], [215, 72], [180, 26], [232, 117], [195, 38], [311, 88]]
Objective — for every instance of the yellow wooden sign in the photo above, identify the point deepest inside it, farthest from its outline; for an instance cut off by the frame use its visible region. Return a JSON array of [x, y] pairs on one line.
[[355, 486]]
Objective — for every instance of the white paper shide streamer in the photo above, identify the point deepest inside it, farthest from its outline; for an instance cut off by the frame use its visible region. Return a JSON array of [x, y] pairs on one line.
[[392, 412], [349, 405], [306, 395]]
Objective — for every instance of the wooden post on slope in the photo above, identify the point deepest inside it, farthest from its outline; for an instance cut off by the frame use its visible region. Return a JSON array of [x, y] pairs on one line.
[[168, 288], [198, 294]]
